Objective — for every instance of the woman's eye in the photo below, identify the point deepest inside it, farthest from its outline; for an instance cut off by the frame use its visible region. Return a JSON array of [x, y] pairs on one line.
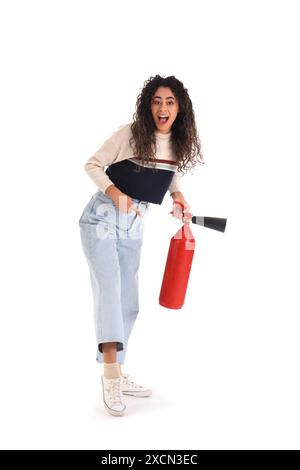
[[157, 102]]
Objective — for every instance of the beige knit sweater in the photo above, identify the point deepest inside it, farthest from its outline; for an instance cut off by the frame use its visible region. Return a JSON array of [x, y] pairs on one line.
[[117, 148]]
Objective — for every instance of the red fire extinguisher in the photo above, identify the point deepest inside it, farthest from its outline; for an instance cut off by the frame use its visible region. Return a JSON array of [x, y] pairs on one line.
[[179, 260], [178, 266]]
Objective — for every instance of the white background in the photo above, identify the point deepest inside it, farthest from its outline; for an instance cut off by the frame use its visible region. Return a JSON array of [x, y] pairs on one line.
[[225, 368]]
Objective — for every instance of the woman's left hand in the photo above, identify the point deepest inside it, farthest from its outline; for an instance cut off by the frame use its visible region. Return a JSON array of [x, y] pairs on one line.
[[178, 211]]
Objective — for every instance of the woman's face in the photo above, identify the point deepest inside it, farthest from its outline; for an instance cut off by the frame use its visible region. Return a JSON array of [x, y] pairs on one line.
[[164, 103]]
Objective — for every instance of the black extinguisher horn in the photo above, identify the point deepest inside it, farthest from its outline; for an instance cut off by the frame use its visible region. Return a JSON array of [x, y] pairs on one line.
[[215, 223]]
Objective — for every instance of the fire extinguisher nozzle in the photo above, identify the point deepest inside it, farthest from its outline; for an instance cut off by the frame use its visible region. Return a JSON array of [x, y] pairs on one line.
[[214, 223]]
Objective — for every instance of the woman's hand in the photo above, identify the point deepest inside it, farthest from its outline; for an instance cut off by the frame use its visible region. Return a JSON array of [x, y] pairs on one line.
[[122, 202], [178, 211]]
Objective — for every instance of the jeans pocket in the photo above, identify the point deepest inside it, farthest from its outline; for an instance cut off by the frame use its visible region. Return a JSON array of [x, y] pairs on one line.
[[84, 214], [133, 222]]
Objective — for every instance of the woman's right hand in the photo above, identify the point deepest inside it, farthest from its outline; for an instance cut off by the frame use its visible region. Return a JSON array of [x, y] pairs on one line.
[[123, 202]]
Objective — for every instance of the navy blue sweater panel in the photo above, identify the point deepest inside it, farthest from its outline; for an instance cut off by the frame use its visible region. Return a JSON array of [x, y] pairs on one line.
[[146, 184]]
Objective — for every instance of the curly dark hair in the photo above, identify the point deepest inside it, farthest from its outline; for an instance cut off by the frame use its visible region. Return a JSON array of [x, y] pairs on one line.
[[184, 139]]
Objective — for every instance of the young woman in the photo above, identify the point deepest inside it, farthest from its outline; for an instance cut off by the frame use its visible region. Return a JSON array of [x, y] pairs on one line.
[[144, 159]]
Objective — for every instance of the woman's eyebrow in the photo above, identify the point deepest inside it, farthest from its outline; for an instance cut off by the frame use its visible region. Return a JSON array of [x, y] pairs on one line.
[[168, 97]]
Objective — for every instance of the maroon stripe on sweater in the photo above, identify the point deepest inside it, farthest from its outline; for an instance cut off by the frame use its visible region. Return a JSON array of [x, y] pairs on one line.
[[169, 162]]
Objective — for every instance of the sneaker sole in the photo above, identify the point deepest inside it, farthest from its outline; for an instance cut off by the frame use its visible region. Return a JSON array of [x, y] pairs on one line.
[[138, 394]]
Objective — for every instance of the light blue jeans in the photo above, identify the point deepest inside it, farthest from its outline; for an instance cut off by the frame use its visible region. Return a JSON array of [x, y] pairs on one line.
[[112, 242]]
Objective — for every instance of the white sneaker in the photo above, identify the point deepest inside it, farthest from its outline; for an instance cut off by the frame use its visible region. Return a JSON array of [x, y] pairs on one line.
[[112, 396], [130, 388]]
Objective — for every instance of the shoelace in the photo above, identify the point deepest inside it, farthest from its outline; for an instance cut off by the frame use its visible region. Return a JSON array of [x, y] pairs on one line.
[[114, 389], [129, 383]]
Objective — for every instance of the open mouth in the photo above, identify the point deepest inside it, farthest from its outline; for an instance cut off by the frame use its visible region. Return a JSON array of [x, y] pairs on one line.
[[163, 120]]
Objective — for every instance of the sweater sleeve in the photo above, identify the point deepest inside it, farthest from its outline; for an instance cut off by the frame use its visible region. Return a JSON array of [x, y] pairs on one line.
[[175, 184], [107, 154]]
